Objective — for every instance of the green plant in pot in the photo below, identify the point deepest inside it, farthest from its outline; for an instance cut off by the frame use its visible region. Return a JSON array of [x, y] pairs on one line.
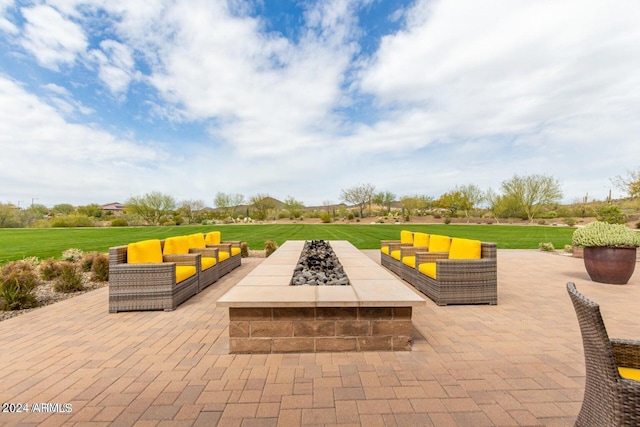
[[609, 251]]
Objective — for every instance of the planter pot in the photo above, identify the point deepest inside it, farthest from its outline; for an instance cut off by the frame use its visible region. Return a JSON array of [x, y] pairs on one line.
[[613, 265]]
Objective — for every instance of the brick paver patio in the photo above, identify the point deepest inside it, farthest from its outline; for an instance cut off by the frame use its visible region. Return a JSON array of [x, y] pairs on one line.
[[517, 363]]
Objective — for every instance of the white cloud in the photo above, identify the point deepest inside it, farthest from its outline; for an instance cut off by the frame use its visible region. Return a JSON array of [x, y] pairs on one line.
[[46, 157], [5, 23], [51, 37], [116, 65]]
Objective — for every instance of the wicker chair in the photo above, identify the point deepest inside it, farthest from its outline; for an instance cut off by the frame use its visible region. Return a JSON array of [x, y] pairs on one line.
[[408, 256], [151, 285], [612, 386], [194, 244], [460, 281], [229, 252], [388, 246]]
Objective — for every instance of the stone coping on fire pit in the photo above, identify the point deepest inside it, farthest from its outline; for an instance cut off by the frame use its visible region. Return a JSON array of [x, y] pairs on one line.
[[269, 284]]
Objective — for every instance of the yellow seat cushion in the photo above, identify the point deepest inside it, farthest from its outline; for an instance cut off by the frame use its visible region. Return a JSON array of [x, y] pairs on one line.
[[428, 269], [420, 239], [406, 236], [395, 254], [409, 260], [385, 250], [235, 251], [147, 251], [222, 255], [438, 243], [196, 241], [207, 262], [212, 238], [630, 373], [465, 249], [184, 272], [176, 245]]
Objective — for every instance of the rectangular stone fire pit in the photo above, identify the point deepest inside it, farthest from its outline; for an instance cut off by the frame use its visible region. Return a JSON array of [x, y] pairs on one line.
[[267, 315]]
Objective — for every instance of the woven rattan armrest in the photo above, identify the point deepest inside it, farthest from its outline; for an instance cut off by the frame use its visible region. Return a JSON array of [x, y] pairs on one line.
[[233, 243], [193, 260], [222, 247], [411, 250], [205, 252], [384, 243], [398, 245], [422, 257], [627, 352]]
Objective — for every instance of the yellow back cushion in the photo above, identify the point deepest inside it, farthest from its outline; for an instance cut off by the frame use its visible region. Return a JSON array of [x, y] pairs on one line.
[[176, 245], [196, 240], [420, 239], [147, 251], [212, 238], [465, 249], [406, 236], [438, 243]]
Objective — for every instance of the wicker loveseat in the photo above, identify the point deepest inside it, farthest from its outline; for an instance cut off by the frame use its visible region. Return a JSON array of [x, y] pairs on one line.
[[229, 252], [467, 274], [142, 278], [388, 248], [194, 244], [612, 386], [422, 243]]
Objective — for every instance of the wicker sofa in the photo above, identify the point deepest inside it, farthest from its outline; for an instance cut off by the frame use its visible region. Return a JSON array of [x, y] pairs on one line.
[[458, 277], [194, 244], [389, 247], [229, 252], [142, 278], [422, 243]]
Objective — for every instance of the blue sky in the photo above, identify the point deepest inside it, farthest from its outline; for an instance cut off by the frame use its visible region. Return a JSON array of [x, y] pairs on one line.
[[103, 100]]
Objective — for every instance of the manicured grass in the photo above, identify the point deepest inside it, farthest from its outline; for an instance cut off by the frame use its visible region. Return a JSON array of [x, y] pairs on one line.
[[51, 242]]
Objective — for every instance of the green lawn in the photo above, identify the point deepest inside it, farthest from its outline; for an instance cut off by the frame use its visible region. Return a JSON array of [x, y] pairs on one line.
[[51, 242]]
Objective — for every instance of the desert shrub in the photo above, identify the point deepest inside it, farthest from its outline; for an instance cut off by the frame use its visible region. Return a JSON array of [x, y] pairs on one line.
[[72, 255], [350, 216], [542, 222], [270, 247], [119, 222], [50, 269], [611, 214], [70, 280], [638, 224], [73, 220], [546, 246], [244, 250], [18, 281], [100, 268], [568, 249], [570, 222], [326, 218], [87, 261], [447, 220]]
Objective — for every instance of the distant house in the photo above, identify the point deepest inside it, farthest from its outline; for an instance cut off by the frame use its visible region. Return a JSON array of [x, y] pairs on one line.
[[114, 208]]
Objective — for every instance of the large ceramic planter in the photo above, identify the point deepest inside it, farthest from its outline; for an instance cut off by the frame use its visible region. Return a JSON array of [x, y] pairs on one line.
[[613, 265]]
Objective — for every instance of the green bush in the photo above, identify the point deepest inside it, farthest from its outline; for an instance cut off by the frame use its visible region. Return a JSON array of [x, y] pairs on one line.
[[546, 246], [72, 255], [70, 280], [72, 221], [50, 269], [100, 268], [119, 222], [611, 214], [326, 218], [18, 281], [270, 247], [570, 222], [244, 250]]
